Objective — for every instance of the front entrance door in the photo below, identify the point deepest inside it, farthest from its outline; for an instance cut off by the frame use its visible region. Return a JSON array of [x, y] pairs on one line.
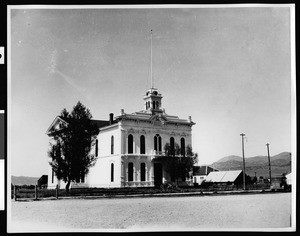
[[158, 174]]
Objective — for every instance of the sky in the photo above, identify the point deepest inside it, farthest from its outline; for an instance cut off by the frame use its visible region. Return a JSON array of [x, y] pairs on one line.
[[227, 68]]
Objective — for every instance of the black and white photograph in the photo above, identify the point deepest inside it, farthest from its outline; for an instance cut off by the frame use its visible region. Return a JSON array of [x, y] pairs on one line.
[[150, 118]]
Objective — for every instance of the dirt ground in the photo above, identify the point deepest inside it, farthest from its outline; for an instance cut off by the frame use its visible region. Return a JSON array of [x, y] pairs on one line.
[[195, 213]]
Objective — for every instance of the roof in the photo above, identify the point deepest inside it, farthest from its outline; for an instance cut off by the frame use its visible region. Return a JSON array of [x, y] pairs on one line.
[[223, 176], [59, 119], [202, 170], [149, 117], [99, 123]]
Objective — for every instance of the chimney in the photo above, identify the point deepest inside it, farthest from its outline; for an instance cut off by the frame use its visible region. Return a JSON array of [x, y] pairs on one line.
[[111, 118]]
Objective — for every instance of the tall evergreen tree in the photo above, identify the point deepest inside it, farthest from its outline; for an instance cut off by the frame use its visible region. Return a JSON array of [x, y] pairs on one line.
[[70, 150]]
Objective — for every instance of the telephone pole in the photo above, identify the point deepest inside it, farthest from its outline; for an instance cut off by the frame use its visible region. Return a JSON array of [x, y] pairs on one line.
[[244, 177], [269, 163]]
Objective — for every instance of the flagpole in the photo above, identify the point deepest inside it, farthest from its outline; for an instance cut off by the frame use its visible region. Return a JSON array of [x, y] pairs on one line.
[[151, 76]]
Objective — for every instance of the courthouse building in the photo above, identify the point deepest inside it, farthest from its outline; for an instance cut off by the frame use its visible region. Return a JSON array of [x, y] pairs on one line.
[[128, 145]]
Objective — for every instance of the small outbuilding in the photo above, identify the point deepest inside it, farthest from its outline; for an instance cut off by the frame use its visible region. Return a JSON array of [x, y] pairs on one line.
[[200, 173], [289, 179]]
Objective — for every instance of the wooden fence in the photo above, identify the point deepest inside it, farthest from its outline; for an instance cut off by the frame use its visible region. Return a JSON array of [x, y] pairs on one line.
[[35, 193]]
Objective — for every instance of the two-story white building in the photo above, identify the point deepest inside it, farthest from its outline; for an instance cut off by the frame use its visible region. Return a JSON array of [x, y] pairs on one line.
[[127, 146]]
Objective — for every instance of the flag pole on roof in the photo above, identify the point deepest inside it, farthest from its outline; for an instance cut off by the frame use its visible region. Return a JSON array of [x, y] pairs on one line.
[[151, 56]]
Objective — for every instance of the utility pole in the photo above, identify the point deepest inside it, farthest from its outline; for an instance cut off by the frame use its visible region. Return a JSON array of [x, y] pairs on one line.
[[244, 177], [269, 163]]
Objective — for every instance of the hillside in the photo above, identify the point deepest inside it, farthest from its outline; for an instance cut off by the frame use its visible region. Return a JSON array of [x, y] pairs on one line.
[[280, 164], [24, 180]]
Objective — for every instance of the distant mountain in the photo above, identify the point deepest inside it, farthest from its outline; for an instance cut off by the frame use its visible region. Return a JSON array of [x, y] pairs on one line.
[[230, 158], [24, 180], [280, 164]]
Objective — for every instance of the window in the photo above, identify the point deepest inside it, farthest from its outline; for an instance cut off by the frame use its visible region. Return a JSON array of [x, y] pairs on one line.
[[112, 172], [52, 180], [142, 144], [130, 171], [96, 148], [112, 145], [143, 171], [182, 142], [157, 104], [82, 177], [157, 143], [153, 104], [172, 146], [130, 143]]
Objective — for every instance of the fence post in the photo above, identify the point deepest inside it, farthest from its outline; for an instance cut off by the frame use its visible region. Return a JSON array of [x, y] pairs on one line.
[[35, 192], [15, 192], [56, 191]]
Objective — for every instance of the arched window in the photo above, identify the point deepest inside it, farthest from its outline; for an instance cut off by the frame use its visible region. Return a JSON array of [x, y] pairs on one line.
[[143, 171], [172, 146], [157, 143], [130, 171], [52, 180], [96, 148], [142, 144], [130, 143], [182, 146], [112, 145], [112, 172]]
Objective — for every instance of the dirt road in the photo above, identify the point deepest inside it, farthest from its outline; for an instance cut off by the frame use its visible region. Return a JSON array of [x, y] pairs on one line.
[[143, 214]]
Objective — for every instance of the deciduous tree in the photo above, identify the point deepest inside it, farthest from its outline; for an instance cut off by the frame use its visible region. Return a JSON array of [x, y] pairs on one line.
[[70, 149]]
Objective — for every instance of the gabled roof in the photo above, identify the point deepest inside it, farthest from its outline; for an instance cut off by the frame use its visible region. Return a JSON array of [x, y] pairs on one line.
[[202, 170], [55, 123], [58, 119], [223, 176]]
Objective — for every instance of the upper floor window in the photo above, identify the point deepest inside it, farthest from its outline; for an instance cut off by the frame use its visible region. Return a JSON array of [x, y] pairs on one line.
[[142, 144], [157, 143], [153, 105], [130, 143], [112, 145], [182, 146]]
